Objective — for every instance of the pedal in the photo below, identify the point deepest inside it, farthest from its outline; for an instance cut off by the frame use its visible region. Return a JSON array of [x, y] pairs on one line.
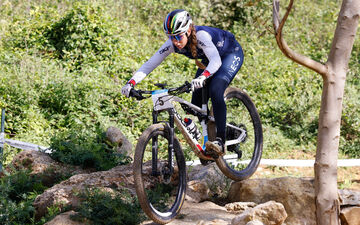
[[213, 150]]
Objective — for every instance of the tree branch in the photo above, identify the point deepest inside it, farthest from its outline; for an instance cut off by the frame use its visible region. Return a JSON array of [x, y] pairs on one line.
[[298, 58]]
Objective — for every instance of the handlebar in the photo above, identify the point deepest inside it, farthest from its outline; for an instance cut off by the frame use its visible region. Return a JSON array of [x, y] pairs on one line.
[[138, 94]]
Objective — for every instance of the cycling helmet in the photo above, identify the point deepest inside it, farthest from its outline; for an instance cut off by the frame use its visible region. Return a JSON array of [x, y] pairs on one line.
[[177, 22]]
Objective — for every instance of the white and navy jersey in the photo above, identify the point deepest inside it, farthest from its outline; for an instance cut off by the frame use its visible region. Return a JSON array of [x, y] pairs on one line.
[[212, 44]]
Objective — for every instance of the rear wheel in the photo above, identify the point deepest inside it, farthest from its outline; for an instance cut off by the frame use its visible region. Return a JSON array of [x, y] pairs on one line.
[[244, 137], [160, 185]]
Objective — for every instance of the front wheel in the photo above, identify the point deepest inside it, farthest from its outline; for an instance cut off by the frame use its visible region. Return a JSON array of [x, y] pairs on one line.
[[244, 137], [159, 174]]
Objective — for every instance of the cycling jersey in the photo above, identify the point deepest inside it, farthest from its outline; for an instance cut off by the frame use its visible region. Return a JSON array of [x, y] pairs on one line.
[[223, 57], [212, 44], [222, 40]]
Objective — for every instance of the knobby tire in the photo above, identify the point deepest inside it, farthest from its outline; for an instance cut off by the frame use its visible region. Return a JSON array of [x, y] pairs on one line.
[[254, 125], [158, 131]]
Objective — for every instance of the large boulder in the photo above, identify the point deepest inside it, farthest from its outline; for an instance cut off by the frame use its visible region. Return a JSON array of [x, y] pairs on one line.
[[297, 195], [65, 193], [117, 138], [41, 164]]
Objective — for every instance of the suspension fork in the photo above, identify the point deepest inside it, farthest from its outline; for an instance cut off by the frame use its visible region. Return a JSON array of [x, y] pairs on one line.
[[155, 145], [171, 151], [154, 149]]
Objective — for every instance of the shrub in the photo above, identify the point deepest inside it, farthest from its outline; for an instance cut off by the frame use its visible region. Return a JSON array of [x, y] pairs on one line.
[[226, 14], [109, 208], [17, 194], [85, 149], [80, 36]]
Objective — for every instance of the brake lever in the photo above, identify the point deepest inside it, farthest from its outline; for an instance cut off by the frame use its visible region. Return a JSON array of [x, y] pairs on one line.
[[187, 85], [136, 94]]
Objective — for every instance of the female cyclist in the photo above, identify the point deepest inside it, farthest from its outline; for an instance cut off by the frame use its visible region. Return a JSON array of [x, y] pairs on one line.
[[221, 58]]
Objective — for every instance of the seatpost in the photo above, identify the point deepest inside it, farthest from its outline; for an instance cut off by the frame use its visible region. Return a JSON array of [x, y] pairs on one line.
[[204, 107]]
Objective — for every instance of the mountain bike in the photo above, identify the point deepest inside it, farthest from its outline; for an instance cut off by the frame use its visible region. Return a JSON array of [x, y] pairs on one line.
[[159, 167]]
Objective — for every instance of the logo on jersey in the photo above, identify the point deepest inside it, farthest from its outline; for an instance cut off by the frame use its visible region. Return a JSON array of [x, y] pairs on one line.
[[201, 43], [220, 44], [164, 49], [235, 63]]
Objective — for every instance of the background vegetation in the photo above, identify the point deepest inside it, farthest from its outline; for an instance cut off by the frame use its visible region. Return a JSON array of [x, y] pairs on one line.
[[63, 63]]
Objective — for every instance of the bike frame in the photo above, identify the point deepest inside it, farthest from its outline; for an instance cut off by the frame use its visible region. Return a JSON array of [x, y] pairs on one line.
[[162, 101]]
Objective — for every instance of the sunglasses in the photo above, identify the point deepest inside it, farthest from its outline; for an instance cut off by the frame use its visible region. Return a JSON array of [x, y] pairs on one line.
[[178, 37]]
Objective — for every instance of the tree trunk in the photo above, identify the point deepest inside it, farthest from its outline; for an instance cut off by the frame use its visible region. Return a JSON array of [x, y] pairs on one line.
[[334, 76], [327, 206]]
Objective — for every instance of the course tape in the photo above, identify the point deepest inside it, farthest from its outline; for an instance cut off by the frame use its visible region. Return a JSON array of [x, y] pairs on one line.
[[23, 145]]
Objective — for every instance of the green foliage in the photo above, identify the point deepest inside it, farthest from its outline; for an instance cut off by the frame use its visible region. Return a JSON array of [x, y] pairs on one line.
[[100, 207], [350, 125], [83, 148], [231, 13], [80, 36], [17, 194], [19, 184], [62, 65]]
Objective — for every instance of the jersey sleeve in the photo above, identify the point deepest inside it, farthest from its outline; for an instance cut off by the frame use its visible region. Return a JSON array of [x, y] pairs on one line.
[[153, 62], [210, 50]]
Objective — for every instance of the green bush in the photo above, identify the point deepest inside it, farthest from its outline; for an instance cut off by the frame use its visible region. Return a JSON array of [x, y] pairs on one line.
[[17, 194], [80, 36], [99, 207], [83, 148], [229, 14]]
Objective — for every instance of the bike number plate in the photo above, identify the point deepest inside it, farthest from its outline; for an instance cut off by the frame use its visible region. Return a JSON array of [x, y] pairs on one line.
[[161, 100]]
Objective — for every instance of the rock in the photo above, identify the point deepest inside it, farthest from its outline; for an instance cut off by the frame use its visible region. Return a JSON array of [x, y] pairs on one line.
[[65, 192], [350, 216], [297, 195], [255, 222], [64, 219], [349, 197], [214, 222], [116, 137], [239, 207], [41, 164], [197, 191], [203, 213], [210, 174], [269, 213]]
